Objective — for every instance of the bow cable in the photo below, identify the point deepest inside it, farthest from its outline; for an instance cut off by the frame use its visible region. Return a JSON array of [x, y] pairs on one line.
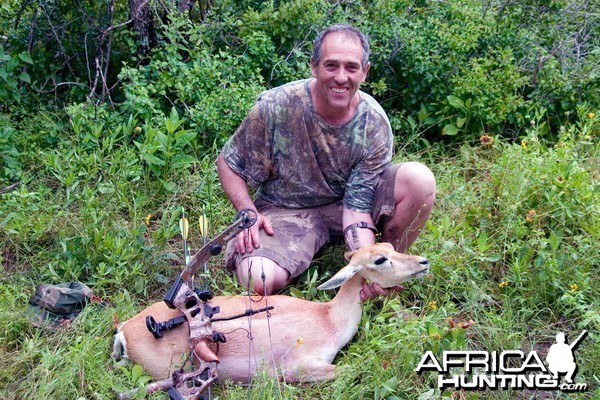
[[203, 226], [268, 314], [251, 351]]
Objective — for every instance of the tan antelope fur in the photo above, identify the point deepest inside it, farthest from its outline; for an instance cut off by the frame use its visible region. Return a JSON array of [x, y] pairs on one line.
[[300, 338]]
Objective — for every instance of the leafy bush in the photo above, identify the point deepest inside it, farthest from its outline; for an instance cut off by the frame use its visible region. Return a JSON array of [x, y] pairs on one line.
[[53, 49], [12, 75], [213, 91], [472, 67], [10, 165]]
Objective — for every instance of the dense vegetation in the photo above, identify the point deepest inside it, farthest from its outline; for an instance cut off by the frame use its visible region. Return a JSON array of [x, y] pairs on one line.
[[105, 137]]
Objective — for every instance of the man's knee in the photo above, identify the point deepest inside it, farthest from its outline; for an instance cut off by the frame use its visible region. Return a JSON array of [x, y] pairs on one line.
[[262, 275], [417, 180]]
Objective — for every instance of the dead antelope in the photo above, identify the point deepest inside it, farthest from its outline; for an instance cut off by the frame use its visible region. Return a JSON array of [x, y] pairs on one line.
[[298, 339]]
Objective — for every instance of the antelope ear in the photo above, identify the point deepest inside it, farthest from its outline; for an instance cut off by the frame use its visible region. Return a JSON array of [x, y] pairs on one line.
[[340, 277], [348, 255]]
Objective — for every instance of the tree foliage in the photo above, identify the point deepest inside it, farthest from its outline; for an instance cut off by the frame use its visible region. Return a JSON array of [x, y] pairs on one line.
[[451, 68]]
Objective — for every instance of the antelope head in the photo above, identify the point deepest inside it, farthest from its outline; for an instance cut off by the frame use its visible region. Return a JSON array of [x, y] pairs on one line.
[[380, 264]]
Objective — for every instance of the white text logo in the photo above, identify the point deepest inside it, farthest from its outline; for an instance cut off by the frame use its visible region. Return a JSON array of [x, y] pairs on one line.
[[479, 370]]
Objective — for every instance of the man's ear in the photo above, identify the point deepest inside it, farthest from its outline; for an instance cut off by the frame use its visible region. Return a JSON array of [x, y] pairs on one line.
[[367, 68], [313, 67]]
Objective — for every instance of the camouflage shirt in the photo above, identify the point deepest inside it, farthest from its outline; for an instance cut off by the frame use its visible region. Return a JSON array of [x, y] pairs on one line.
[[295, 159]]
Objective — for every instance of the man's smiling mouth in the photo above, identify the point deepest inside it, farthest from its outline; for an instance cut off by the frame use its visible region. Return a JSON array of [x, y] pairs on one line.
[[339, 90]]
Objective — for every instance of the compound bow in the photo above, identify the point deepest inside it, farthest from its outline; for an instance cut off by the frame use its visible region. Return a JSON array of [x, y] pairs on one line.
[[194, 306]]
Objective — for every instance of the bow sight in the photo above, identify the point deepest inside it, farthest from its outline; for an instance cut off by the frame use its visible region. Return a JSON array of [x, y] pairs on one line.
[[193, 305]]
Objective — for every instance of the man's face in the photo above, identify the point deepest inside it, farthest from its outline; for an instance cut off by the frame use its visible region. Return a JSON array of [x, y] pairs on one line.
[[339, 72]]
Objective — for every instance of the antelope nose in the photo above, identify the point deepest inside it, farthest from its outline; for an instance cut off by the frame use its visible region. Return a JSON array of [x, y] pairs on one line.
[[424, 262]]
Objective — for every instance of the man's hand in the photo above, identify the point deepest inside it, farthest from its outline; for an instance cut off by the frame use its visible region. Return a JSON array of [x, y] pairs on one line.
[[236, 190], [372, 291], [248, 239]]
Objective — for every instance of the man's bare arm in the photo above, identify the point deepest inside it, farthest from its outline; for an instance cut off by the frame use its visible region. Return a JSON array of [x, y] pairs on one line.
[[237, 191], [365, 235]]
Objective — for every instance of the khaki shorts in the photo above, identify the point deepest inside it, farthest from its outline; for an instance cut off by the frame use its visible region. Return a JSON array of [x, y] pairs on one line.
[[301, 233]]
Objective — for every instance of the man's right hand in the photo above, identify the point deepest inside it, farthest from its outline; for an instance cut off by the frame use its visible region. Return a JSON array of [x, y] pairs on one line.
[[249, 239]]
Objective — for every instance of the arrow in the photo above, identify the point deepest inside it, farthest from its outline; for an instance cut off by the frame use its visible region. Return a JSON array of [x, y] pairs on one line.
[[184, 227], [203, 224]]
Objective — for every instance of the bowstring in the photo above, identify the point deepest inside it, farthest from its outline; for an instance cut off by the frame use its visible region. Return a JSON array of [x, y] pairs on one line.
[[263, 277], [251, 352], [248, 303], [204, 229]]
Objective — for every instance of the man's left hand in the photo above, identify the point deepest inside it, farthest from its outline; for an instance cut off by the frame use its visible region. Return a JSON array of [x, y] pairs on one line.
[[373, 290]]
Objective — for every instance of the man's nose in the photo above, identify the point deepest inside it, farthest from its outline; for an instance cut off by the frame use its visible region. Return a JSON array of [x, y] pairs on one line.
[[341, 76]]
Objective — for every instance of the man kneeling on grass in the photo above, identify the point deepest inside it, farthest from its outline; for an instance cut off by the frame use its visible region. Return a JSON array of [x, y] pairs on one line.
[[318, 152]]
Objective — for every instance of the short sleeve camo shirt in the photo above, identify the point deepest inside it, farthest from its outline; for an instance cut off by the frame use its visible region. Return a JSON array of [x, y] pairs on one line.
[[295, 159]]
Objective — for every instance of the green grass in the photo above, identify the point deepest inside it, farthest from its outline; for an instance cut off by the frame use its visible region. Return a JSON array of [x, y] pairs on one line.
[[513, 244]]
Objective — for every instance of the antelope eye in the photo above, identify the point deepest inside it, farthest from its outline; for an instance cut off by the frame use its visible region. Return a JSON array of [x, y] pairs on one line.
[[380, 261]]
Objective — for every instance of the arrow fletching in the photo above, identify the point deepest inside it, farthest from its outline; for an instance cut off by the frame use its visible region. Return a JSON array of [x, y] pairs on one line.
[[184, 225], [203, 223], [184, 228]]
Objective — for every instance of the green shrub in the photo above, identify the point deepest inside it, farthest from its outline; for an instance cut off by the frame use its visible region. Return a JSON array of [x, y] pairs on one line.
[[212, 91], [471, 67], [10, 164], [12, 75]]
